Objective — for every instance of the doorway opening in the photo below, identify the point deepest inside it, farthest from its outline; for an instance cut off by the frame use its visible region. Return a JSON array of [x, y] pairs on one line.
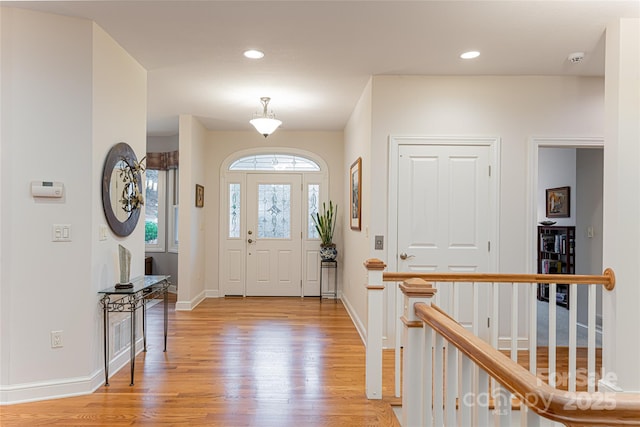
[[577, 164]]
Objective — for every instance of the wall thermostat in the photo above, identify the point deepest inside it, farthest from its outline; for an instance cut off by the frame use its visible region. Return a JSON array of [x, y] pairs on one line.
[[47, 189]]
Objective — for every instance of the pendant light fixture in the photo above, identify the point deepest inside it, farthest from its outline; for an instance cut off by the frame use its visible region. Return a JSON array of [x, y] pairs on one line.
[[266, 123]]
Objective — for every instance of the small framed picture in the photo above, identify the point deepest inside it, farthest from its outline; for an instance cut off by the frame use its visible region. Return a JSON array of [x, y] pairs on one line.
[[199, 196], [355, 187], [559, 202]]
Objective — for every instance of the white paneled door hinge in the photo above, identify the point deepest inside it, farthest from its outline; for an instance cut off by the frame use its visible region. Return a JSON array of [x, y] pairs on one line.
[[489, 246], [489, 170]]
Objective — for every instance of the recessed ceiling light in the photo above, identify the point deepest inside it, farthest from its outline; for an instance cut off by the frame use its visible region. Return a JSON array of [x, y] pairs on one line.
[[253, 54], [470, 55]]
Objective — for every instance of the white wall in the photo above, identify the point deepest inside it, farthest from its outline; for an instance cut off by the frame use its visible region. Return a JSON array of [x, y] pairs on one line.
[[46, 63], [191, 221], [220, 145], [589, 189], [357, 138], [116, 77], [557, 168], [622, 203], [59, 115], [511, 108]]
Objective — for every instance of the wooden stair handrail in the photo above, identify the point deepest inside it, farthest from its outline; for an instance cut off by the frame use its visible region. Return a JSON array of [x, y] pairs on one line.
[[607, 279], [604, 409]]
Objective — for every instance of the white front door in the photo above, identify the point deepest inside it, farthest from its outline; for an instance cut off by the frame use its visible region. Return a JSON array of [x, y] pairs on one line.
[[443, 216], [274, 236]]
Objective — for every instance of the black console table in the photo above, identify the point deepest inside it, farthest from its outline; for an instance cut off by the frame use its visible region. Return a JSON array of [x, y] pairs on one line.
[[128, 301]]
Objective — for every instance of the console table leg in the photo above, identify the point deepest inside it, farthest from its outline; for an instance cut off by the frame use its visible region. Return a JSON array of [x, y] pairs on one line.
[[133, 343], [166, 318], [105, 341], [144, 323]]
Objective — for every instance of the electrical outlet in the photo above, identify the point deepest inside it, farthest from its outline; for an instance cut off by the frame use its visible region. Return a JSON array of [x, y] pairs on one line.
[[56, 339]]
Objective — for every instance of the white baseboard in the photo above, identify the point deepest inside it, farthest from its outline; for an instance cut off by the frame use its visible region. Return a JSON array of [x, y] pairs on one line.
[[212, 293], [46, 390], [607, 387], [504, 343], [190, 305], [67, 387], [598, 327], [355, 319]]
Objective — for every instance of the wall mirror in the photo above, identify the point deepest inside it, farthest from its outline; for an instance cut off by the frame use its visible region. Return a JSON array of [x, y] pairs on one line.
[[119, 192]]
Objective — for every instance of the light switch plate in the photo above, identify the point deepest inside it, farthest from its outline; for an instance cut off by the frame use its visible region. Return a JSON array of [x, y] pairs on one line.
[[379, 242], [61, 233], [102, 232]]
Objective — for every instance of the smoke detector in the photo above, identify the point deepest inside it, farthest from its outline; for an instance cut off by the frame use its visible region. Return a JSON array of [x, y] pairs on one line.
[[575, 57]]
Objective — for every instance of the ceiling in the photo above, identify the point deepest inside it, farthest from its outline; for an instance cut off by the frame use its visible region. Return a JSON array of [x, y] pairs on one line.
[[319, 55]]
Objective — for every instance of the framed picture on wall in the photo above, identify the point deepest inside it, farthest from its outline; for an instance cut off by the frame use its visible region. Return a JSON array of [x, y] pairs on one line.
[[355, 186], [558, 202], [199, 196]]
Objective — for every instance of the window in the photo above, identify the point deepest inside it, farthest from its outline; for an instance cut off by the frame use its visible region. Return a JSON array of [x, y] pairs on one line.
[[172, 206], [313, 194], [234, 210], [275, 162], [154, 223]]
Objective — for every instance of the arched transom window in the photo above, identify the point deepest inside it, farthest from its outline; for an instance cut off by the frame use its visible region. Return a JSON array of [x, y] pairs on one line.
[[274, 162]]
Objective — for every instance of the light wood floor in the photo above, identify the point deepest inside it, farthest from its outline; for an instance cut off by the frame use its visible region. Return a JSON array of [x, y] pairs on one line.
[[234, 362]]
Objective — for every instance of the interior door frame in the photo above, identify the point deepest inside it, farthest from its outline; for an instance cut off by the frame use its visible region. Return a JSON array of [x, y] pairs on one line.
[[535, 144]]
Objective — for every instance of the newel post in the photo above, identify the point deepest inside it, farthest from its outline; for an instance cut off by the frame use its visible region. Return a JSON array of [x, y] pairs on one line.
[[375, 316], [414, 291]]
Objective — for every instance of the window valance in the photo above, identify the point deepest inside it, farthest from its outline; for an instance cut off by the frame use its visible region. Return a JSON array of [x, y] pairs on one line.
[[162, 161]]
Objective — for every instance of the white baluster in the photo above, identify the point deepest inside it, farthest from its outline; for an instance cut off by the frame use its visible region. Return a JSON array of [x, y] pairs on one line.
[[532, 419], [415, 291], [438, 381], [451, 387], [398, 344], [514, 322], [466, 392], [482, 399], [552, 335], [591, 338], [427, 379], [375, 291], [502, 398], [573, 337], [533, 329]]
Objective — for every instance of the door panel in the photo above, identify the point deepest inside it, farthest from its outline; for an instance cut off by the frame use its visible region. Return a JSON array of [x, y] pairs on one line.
[[443, 194], [274, 240]]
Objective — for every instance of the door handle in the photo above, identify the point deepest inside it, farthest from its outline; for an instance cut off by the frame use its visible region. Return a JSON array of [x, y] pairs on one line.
[[250, 240], [404, 255]]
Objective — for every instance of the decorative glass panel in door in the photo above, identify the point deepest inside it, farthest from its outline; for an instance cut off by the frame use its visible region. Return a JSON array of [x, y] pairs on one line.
[[274, 211]]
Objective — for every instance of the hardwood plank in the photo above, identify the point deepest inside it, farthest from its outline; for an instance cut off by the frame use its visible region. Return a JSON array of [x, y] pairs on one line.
[[234, 362], [562, 365]]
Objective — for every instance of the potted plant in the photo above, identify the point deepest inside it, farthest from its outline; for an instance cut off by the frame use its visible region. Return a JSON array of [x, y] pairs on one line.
[[325, 223]]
